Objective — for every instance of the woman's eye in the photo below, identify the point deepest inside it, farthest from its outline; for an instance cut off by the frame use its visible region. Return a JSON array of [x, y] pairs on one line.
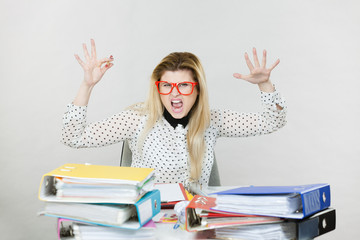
[[166, 85], [184, 84]]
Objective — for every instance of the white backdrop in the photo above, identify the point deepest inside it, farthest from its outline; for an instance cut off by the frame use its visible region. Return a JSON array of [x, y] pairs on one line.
[[317, 42]]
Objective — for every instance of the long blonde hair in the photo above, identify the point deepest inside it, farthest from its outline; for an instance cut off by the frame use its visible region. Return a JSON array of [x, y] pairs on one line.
[[200, 112]]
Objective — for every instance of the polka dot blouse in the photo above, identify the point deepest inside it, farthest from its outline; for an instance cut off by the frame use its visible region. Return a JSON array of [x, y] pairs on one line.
[[165, 148]]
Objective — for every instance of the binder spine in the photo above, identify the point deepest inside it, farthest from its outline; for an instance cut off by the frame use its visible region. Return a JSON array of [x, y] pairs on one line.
[[316, 200], [148, 206], [316, 225]]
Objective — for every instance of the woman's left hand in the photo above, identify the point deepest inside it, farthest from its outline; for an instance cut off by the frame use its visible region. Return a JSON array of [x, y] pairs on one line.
[[259, 74]]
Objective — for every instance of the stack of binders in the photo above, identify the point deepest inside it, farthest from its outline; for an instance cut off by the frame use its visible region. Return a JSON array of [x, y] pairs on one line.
[[105, 202], [264, 212]]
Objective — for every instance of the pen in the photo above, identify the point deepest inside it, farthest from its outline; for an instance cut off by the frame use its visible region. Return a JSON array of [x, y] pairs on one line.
[[177, 224]]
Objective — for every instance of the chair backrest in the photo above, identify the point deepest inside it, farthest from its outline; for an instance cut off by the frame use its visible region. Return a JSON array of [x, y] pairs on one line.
[[126, 155], [126, 159]]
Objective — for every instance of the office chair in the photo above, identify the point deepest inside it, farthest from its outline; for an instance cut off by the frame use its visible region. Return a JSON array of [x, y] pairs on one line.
[[126, 159]]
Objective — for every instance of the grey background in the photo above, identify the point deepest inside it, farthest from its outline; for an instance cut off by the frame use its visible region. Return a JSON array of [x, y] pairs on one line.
[[317, 42]]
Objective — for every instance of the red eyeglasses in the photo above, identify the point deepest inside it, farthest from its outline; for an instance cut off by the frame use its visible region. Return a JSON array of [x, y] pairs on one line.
[[184, 88]]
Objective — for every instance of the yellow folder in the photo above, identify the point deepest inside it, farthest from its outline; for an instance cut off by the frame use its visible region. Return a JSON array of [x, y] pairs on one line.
[[137, 179]]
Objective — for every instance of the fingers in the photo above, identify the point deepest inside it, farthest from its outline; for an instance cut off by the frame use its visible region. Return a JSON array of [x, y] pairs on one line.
[[106, 60], [263, 63], [79, 60], [274, 65], [256, 60], [106, 67], [248, 62], [237, 75], [86, 53], [93, 49], [240, 76], [91, 62]]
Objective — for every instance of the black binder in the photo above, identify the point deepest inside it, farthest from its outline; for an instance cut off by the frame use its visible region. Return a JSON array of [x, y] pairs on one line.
[[316, 225], [304, 229]]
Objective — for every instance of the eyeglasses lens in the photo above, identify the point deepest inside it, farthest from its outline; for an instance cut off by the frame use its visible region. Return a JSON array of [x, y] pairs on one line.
[[184, 88]]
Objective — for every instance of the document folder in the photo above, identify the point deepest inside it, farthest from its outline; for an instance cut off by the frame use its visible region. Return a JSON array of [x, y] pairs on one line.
[[146, 208], [300, 229], [201, 204], [313, 198], [316, 225], [71, 230], [123, 184]]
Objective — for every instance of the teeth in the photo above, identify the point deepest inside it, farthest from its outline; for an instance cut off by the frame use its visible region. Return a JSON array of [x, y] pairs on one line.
[[176, 101]]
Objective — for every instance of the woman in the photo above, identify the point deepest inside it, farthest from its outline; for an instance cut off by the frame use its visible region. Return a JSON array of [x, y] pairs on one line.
[[174, 131]]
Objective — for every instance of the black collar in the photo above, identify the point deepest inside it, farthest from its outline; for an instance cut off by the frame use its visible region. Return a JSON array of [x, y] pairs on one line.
[[173, 121]]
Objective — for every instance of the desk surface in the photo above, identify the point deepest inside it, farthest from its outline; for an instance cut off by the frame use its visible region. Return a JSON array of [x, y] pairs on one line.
[[167, 231]]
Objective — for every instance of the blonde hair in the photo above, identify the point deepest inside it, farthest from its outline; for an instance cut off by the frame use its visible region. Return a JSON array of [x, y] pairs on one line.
[[200, 112]]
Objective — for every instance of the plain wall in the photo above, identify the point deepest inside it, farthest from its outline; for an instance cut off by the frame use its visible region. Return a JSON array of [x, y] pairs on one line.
[[317, 42]]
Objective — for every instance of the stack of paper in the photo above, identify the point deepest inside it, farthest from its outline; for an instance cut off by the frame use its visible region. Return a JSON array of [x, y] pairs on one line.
[[273, 231], [116, 198], [102, 213], [72, 230], [279, 201], [267, 212], [272, 205], [96, 183], [304, 229], [199, 215]]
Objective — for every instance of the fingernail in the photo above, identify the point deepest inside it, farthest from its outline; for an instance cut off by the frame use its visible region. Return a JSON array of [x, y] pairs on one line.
[[106, 65], [111, 56]]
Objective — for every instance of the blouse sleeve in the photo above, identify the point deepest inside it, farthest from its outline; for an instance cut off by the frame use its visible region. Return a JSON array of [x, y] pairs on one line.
[[235, 124], [77, 133]]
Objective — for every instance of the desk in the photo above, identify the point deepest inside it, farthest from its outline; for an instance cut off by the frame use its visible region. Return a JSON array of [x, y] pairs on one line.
[[308, 228], [166, 231]]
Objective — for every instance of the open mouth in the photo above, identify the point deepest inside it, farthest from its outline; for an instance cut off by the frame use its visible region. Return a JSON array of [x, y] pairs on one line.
[[177, 105]]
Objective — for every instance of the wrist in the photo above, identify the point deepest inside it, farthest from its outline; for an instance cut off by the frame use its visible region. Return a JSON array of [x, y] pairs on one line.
[[86, 87], [266, 87], [83, 95]]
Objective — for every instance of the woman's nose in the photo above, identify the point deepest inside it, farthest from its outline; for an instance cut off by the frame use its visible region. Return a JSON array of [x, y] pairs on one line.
[[175, 92]]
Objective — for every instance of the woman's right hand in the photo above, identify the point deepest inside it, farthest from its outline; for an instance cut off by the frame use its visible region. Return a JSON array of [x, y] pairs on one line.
[[94, 69]]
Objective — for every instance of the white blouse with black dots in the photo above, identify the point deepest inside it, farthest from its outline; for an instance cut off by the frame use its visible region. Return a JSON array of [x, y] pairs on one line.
[[165, 148]]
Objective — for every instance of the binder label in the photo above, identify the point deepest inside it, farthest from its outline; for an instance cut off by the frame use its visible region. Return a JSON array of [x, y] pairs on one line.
[[145, 211], [312, 201]]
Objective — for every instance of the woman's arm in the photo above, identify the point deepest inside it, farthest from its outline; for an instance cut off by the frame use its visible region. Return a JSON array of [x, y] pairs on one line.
[[77, 133], [238, 124], [93, 72]]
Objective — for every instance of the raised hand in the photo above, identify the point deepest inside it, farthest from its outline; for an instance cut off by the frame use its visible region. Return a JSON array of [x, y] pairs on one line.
[[94, 69], [259, 74]]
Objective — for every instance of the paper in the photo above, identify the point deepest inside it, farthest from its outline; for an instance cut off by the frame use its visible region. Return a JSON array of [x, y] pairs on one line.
[[170, 192], [96, 183], [113, 214], [260, 204], [285, 231]]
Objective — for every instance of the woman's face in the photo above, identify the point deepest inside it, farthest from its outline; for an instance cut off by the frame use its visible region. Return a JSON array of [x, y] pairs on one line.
[[176, 104]]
